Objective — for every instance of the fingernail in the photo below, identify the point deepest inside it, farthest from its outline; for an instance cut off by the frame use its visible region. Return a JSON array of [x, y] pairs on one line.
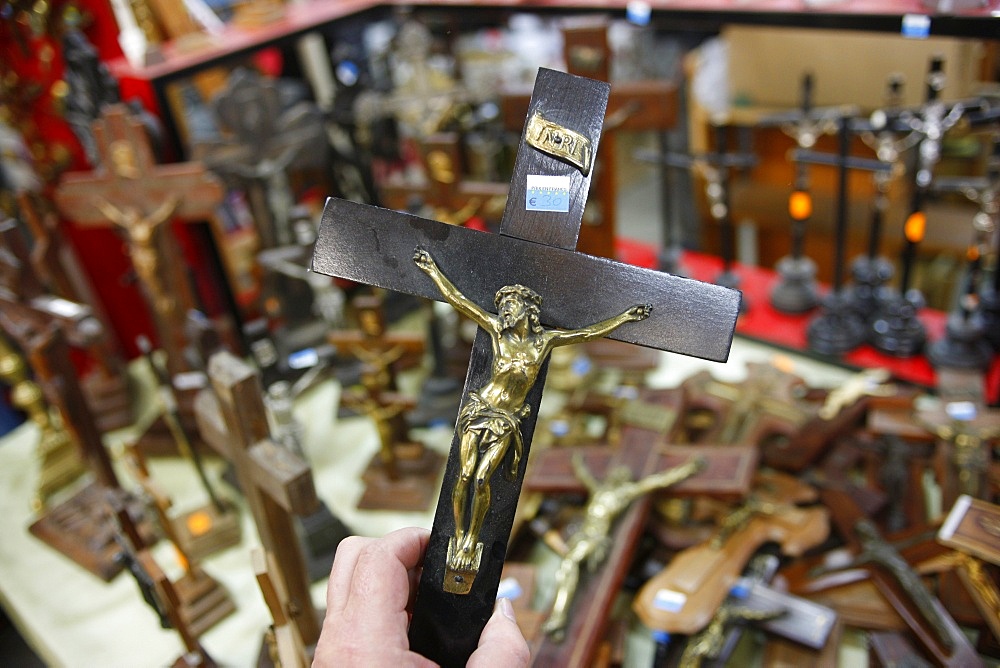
[[506, 608]]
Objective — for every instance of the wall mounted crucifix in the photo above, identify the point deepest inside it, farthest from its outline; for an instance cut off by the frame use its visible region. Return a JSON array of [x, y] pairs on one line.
[[531, 257]]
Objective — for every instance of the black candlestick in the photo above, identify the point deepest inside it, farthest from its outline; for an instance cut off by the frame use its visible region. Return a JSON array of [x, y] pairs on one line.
[[871, 272], [670, 253], [896, 329], [718, 203], [838, 328]]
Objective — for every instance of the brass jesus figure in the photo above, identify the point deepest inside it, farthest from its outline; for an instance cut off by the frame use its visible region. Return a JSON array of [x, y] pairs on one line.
[[489, 422]]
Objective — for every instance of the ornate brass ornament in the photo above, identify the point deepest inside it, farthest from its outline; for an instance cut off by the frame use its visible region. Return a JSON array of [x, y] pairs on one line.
[[560, 142]]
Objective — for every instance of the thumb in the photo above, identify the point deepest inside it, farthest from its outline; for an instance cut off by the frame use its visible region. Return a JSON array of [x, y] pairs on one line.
[[501, 643]]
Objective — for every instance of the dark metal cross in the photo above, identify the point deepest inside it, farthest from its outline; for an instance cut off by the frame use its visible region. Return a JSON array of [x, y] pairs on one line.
[[534, 248]]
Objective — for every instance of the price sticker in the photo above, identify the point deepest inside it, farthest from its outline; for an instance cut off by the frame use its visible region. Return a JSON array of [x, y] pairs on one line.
[[547, 193]]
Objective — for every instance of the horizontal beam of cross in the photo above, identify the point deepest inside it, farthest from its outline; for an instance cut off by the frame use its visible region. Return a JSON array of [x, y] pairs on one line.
[[375, 246]]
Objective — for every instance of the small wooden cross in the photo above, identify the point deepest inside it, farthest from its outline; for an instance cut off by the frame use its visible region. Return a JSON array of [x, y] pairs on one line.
[[78, 527], [553, 470], [201, 601], [384, 351], [762, 406], [23, 287], [159, 591], [685, 595], [275, 481], [395, 250], [922, 611], [130, 191]]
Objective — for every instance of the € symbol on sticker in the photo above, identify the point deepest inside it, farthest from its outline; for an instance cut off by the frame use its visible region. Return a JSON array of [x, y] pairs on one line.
[[532, 202]]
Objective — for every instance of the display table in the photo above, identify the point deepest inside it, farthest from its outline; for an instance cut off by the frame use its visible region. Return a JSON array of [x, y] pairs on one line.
[[71, 618]]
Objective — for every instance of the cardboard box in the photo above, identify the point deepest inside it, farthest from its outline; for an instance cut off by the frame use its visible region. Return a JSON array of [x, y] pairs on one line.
[[766, 66]]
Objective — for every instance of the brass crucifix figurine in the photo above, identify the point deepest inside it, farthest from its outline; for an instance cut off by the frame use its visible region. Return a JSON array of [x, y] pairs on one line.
[[592, 541], [489, 422]]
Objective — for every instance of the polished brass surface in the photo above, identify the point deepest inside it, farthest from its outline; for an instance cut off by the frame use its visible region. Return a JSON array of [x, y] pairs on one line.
[[560, 142], [489, 421]]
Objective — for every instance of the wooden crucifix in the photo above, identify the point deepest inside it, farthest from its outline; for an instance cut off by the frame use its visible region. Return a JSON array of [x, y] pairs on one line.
[[451, 198], [554, 470], [59, 270], [131, 192], [509, 359], [78, 527], [162, 594], [22, 287], [684, 596], [922, 611]]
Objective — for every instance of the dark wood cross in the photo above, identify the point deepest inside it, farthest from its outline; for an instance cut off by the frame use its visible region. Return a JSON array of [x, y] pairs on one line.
[[200, 599], [534, 248], [78, 527], [157, 589], [933, 626], [22, 286], [130, 191], [58, 457], [636, 106], [58, 267]]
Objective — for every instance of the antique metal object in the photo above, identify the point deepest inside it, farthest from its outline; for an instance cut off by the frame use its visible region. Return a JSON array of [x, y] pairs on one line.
[[561, 142], [489, 422], [591, 542]]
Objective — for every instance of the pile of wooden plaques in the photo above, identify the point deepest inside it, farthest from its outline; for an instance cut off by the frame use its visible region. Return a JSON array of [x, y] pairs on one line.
[[804, 517]]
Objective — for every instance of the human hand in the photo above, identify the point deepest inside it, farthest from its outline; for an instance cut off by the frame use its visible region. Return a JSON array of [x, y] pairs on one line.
[[369, 600]]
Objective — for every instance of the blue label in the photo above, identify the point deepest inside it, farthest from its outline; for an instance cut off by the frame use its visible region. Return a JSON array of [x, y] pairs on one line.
[[547, 193]]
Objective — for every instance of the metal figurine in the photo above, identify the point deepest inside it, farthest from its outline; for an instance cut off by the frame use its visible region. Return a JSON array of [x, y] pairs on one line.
[[60, 464], [796, 291], [708, 643], [897, 330], [141, 232], [969, 451], [867, 383], [872, 271], [489, 422], [591, 542], [967, 343], [876, 551]]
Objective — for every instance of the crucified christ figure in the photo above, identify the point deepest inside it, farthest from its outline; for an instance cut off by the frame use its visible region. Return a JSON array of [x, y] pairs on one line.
[[489, 422]]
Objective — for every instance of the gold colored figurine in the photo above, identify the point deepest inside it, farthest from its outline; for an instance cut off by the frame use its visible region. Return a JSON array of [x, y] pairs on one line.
[[608, 499], [57, 454], [708, 643], [489, 422], [141, 233], [870, 382], [970, 452]]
